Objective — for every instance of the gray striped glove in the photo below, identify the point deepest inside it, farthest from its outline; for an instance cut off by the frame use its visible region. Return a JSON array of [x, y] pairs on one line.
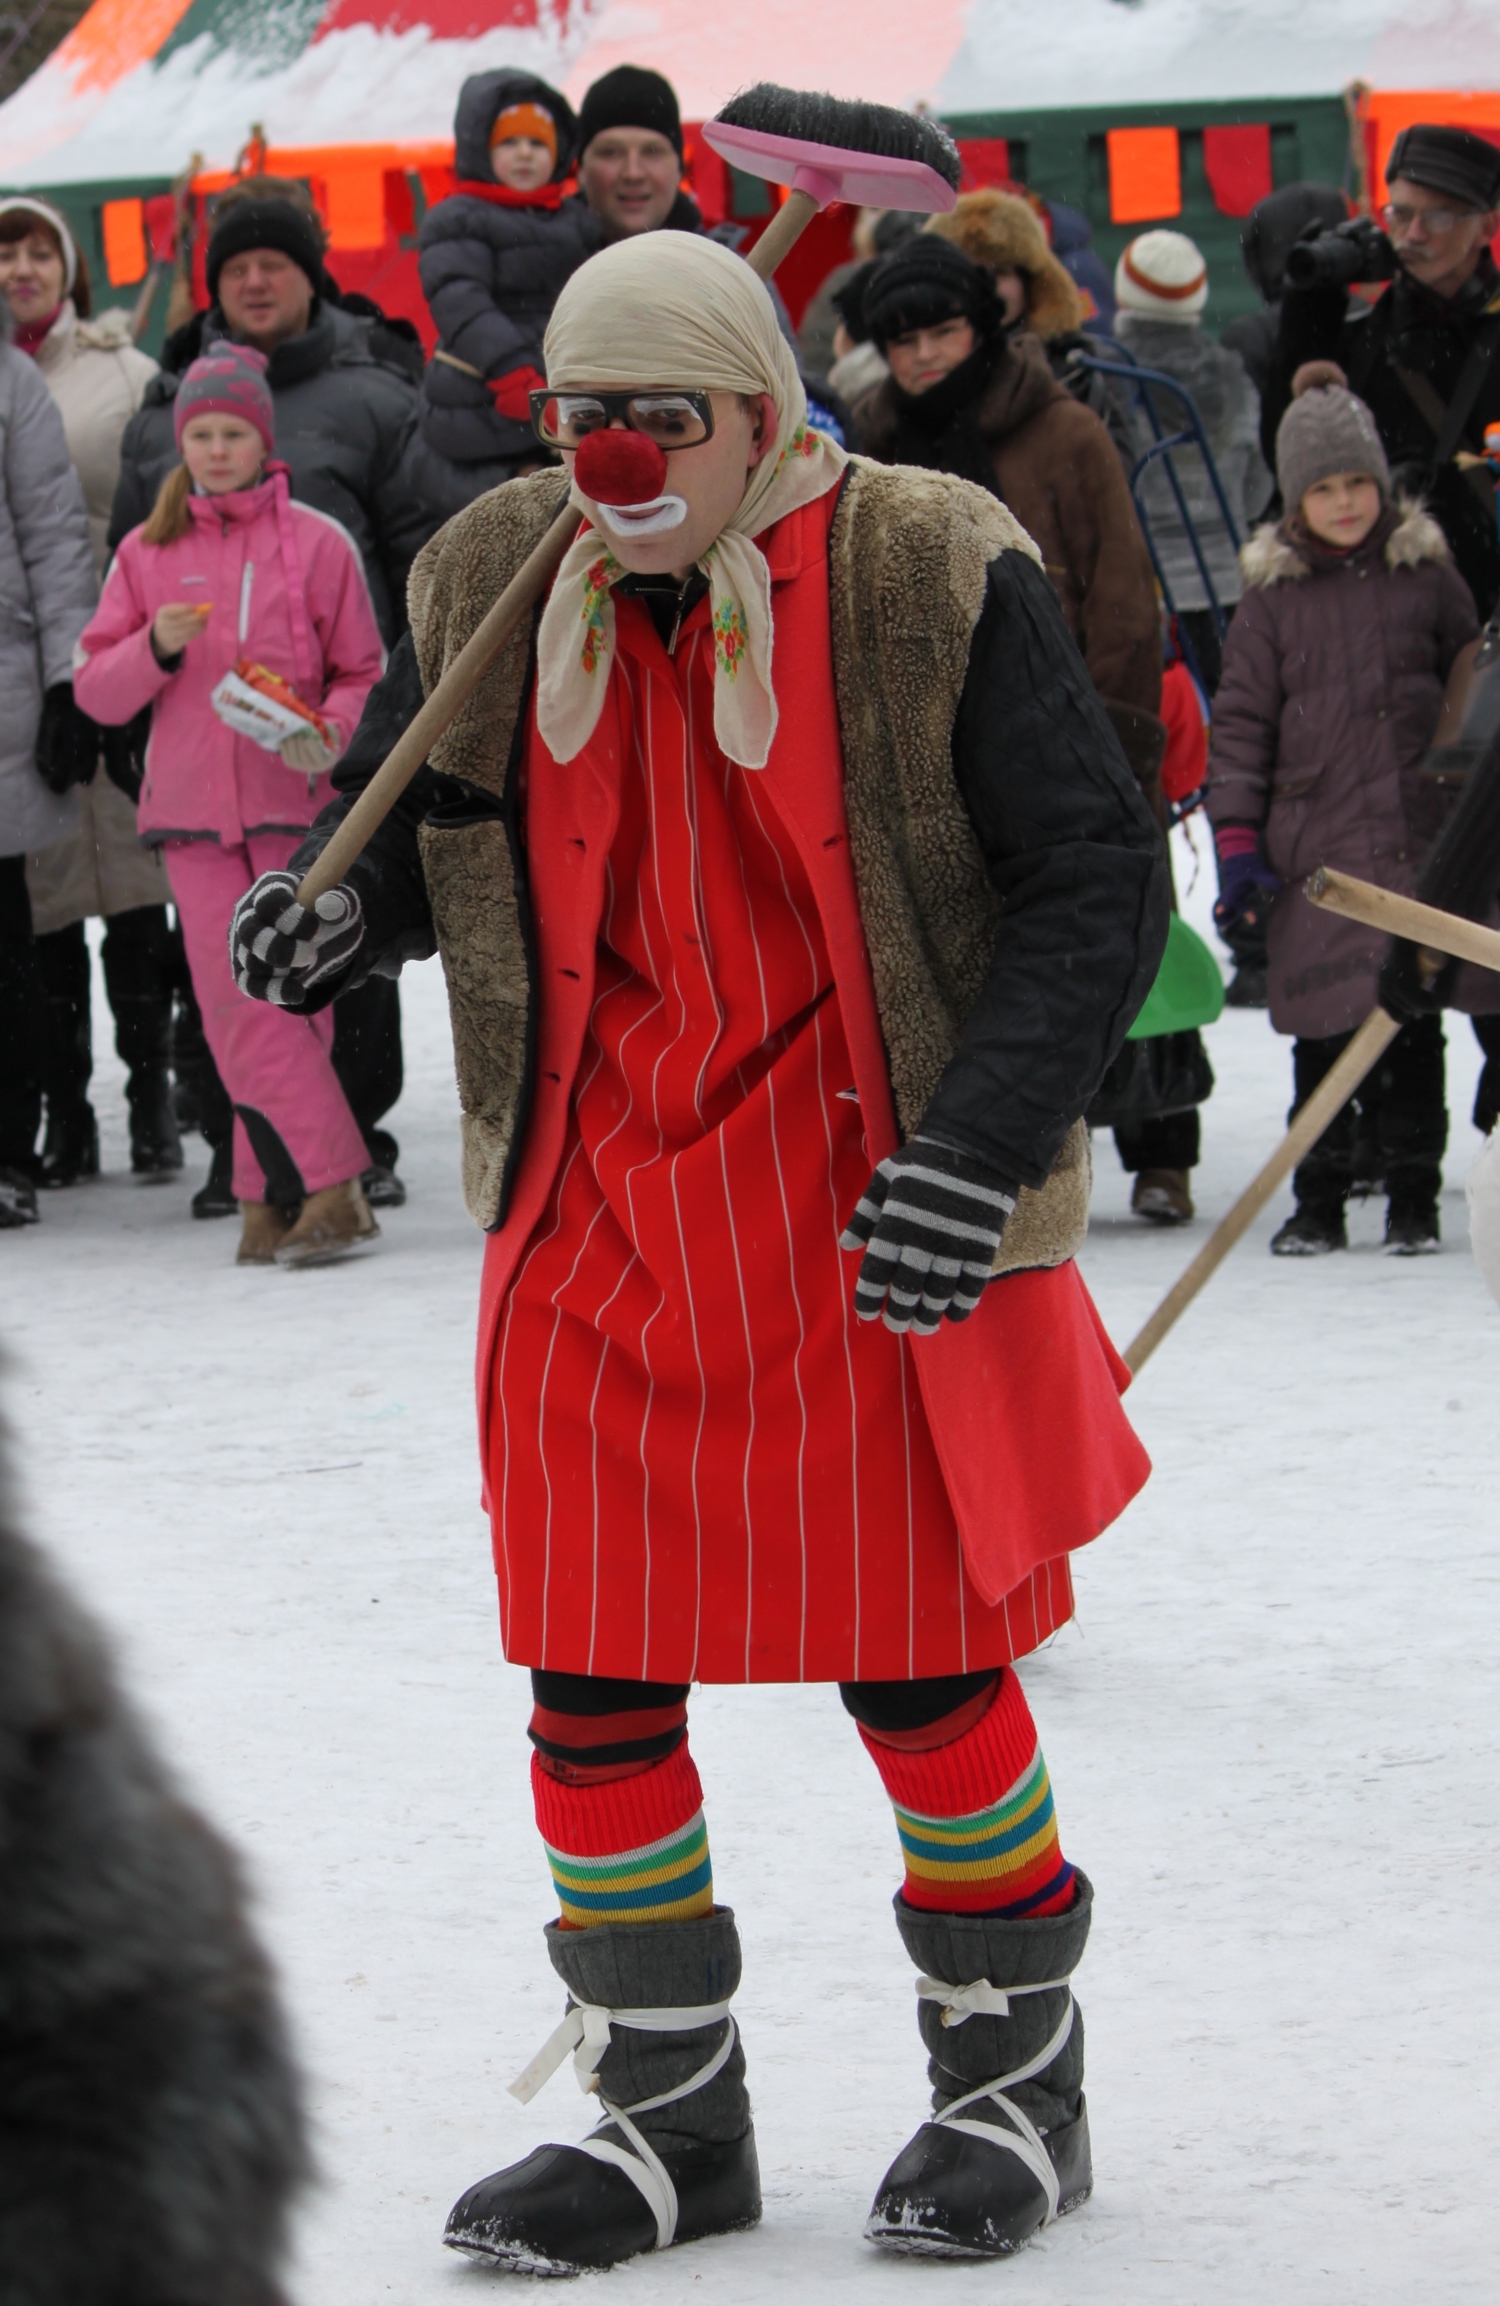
[[929, 1223], [279, 950]]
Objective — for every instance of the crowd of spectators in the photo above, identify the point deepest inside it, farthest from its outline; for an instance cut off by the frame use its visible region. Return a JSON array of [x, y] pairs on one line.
[[989, 343]]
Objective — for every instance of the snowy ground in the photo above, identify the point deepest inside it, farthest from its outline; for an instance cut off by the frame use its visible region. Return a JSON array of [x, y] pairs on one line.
[[1272, 1730]]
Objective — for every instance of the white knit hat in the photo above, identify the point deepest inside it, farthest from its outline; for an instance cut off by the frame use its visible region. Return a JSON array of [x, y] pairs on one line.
[[1162, 276]]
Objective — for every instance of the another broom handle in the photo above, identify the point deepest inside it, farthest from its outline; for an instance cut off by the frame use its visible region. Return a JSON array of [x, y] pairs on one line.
[[1333, 1091], [453, 691], [788, 224], [1423, 925], [483, 646]]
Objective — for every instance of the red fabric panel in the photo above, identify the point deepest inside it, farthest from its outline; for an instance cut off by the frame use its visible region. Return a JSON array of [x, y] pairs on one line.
[[986, 160], [1237, 162], [443, 19], [1185, 765], [1023, 1404]]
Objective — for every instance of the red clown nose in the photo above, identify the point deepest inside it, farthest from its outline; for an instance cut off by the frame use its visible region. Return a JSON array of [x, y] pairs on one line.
[[618, 467]]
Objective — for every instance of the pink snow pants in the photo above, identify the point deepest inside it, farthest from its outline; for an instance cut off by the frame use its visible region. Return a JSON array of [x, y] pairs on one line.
[[278, 1063]]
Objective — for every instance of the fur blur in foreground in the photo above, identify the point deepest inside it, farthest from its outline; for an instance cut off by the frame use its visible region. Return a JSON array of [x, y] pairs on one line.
[[151, 2126]]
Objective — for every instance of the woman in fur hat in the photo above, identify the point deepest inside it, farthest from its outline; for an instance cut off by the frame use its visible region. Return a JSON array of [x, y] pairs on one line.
[[794, 894], [1334, 671], [1005, 234]]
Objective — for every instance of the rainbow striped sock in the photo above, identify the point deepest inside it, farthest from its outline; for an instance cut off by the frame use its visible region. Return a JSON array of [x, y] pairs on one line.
[[632, 1850], [976, 1819]]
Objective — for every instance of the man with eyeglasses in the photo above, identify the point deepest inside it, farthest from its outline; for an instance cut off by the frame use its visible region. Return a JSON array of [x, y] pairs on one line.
[[1425, 357], [794, 895]]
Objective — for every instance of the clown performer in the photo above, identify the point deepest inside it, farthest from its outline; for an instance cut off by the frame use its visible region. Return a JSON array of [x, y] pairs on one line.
[[791, 845]]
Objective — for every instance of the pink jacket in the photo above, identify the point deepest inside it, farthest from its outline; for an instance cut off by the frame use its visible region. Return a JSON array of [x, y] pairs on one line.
[[287, 589]]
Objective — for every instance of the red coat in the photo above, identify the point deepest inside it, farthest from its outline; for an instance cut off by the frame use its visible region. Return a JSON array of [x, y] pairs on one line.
[[1022, 1401]]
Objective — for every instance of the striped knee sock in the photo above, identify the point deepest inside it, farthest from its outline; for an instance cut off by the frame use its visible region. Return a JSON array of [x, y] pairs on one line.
[[978, 1831], [633, 1849]]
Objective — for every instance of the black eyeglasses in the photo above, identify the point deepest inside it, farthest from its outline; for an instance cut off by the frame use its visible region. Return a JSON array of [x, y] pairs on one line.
[[671, 419]]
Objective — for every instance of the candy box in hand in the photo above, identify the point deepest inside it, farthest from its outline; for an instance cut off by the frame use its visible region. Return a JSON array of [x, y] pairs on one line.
[[259, 704]]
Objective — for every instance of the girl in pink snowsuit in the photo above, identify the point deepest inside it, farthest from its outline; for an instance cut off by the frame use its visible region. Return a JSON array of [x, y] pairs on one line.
[[229, 568]]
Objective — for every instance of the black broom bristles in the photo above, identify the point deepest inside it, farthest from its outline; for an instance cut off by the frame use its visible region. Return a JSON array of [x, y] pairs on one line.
[[849, 123]]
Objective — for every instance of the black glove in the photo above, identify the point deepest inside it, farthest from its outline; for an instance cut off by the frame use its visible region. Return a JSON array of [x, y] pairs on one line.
[[279, 950], [124, 753], [67, 741], [1404, 989], [929, 1223]]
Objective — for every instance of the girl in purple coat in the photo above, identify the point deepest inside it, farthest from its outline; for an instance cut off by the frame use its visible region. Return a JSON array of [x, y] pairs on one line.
[[1334, 671], [234, 610]]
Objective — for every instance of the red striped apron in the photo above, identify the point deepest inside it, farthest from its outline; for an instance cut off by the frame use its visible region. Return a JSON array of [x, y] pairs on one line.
[[699, 1464]]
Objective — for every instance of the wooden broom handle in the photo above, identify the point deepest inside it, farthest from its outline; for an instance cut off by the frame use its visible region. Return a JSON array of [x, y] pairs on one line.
[[1424, 925], [452, 693], [1333, 1091], [479, 652]]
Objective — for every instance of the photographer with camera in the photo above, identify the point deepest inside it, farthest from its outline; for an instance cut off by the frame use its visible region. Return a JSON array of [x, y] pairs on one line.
[[1425, 356]]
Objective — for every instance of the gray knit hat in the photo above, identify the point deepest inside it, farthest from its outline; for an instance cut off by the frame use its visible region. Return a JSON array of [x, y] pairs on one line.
[[1327, 429]]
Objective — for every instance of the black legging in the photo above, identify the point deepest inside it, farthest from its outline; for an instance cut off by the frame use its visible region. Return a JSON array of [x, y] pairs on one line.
[[583, 1722]]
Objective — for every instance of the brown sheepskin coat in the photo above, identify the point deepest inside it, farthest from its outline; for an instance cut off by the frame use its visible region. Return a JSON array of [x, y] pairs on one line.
[[1057, 471], [1334, 671]]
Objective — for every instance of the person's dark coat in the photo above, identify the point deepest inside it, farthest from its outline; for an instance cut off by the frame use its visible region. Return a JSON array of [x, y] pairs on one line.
[[492, 265], [345, 407], [1430, 336], [1002, 419], [1334, 669]]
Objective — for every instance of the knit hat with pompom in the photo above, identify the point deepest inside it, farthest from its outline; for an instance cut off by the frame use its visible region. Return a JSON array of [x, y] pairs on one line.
[[1327, 430], [229, 380], [1162, 276]]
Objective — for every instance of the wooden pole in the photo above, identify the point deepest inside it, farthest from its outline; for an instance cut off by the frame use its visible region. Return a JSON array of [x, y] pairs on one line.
[[786, 227], [452, 693], [1333, 1091], [1424, 925], [479, 652]]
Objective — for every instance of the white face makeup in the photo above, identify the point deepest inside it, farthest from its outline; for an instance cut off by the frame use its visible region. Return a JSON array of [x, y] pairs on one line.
[[658, 518]]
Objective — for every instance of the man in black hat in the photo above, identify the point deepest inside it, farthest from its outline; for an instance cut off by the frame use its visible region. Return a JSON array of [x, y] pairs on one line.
[[1426, 356], [630, 155]]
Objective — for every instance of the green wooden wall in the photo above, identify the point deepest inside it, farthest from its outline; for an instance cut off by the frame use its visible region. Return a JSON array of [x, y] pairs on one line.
[[1062, 155]]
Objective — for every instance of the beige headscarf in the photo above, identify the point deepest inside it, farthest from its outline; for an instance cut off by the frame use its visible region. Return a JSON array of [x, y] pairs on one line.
[[674, 308]]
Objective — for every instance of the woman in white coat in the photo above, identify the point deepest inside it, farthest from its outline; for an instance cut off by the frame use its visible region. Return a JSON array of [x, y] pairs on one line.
[[96, 376]]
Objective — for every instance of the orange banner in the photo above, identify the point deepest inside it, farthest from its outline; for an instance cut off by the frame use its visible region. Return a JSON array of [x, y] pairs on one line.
[[1145, 175]]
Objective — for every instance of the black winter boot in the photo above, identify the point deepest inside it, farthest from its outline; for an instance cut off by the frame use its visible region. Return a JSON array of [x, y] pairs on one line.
[[1007, 2149], [143, 1036], [674, 2157]]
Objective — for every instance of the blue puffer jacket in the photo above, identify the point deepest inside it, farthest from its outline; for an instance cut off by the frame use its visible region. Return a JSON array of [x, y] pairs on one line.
[[492, 265]]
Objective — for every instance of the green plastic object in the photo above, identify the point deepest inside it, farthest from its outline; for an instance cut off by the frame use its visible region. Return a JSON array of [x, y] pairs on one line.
[[1189, 988]]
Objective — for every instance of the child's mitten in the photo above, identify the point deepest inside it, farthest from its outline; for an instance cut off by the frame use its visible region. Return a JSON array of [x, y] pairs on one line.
[[304, 749], [512, 393], [1247, 884]]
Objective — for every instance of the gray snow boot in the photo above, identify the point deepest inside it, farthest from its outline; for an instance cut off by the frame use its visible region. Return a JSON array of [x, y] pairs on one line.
[[673, 2159], [1007, 2148]]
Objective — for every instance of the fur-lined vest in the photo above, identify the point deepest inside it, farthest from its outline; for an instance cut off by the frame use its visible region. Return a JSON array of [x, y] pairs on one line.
[[1007, 884], [1334, 671]]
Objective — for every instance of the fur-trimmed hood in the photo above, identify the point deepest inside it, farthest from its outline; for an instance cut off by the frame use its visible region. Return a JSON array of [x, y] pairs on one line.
[[1273, 556], [1004, 233]]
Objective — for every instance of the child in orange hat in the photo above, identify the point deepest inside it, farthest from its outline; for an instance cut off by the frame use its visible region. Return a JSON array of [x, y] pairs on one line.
[[494, 256]]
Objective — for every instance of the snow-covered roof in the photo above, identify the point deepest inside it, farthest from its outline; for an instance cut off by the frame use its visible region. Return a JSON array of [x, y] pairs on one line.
[[1022, 54], [143, 84], [140, 85]]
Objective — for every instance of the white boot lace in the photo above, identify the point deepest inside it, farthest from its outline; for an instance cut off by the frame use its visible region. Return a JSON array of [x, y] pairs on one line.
[[585, 2032], [981, 1999]]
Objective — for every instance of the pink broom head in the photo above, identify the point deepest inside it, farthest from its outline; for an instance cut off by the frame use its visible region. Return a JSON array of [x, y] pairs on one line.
[[832, 148]]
